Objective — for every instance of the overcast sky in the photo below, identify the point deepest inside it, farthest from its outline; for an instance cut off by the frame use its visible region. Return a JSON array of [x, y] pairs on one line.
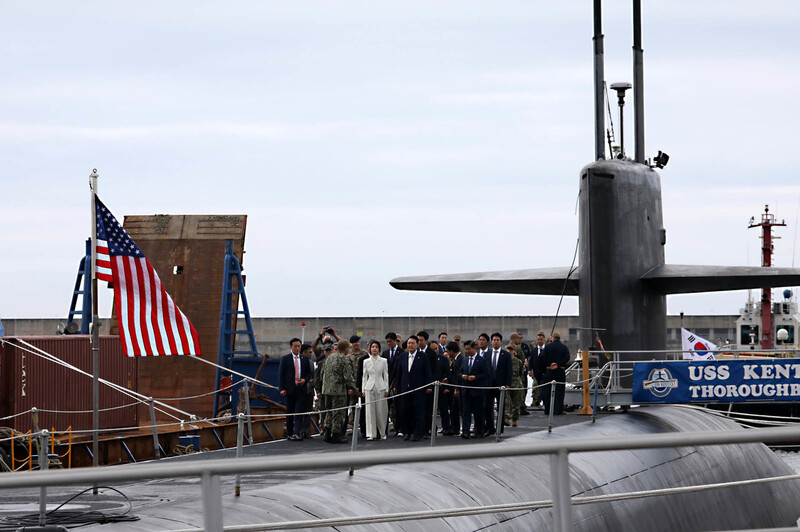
[[371, 140]]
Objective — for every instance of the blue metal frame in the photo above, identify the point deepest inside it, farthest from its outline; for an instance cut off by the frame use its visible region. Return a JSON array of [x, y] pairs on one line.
[[219, 440], [84, 277], [227, 334], [125, 448]]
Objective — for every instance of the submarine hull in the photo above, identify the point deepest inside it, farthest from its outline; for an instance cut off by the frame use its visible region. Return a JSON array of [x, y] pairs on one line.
[[472, 483]]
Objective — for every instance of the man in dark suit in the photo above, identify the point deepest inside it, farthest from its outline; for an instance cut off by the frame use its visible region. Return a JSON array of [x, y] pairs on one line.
[[392, 355], [483, 345], [474, 374], [552, 363], [294, 371], [413, 371], [442, 375], [431, 351], [442, 343], [453, 395], [534, 369], [500, 368]]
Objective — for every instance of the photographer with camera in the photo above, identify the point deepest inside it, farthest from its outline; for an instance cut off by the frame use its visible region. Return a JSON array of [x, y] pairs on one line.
[[326, 336]]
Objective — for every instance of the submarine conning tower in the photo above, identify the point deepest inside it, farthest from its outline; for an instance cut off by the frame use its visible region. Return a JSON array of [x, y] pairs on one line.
[[623, 237]]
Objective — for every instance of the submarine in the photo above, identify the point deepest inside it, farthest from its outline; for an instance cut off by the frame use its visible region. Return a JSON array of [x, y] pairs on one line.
[[622, 281]]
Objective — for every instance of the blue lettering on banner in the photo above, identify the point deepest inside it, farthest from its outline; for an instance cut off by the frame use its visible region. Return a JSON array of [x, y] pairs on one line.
[[717, 381]]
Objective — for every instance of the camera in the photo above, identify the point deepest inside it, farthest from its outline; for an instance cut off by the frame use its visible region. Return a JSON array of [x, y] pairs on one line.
[[329, 329]]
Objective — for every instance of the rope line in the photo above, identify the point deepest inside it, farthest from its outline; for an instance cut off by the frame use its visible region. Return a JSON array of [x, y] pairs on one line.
[[32, 349], [229, 370]]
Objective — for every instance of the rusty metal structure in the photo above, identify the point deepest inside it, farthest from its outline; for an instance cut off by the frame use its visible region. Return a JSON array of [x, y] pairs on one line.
[[59, 393]]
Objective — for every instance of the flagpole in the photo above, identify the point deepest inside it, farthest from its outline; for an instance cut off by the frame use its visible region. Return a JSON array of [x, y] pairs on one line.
[[95, 330]]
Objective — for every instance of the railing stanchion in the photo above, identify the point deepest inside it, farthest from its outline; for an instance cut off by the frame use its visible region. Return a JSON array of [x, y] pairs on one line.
[[43, 463], [239, 438], [155, 428], [551, 406], [594, 406], [212, 502], [354, 437], [435, 409], [559, 479], [501, 413], [249, 413]]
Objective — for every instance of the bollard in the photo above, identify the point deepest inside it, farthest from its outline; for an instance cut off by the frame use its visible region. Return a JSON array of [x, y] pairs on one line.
[[586, 409], [249, 416], [552, 404], [501, 413], [354, 437], [43, 463], [435, 409], [239, 438], [155, 429]]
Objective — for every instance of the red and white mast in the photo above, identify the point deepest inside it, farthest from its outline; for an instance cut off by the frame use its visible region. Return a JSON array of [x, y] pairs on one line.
[[766, 225]]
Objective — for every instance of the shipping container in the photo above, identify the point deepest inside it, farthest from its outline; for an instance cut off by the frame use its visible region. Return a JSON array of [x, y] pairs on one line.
[[63, 396]]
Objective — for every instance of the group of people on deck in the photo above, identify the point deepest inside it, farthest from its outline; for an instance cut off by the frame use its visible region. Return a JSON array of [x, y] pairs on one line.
[[397, 383]]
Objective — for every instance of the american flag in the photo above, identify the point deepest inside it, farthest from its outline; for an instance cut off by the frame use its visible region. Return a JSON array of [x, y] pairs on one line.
[[150, 323]]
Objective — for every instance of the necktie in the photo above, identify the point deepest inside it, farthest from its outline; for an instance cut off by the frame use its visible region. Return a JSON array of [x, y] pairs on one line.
[[470, 365], [540, 350], [494, 360], [410, 361], [296, 369]]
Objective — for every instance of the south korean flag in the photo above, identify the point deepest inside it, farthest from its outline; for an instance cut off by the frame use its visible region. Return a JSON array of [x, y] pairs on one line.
[[696, 348]]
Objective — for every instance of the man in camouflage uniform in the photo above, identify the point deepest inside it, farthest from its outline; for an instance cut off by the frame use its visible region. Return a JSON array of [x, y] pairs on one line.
[[355, 354], [325, 351], [514, 398], [522, 350], [337, 383]]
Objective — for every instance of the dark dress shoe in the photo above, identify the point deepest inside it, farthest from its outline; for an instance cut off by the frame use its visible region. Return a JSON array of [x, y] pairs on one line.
[[465, 436], [407, 437], [415, 438]]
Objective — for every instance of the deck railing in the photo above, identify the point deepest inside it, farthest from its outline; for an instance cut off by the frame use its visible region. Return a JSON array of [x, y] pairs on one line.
[[209, 471]]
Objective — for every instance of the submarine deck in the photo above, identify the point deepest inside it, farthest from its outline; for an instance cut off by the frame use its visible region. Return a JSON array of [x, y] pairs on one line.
[[160, 504]]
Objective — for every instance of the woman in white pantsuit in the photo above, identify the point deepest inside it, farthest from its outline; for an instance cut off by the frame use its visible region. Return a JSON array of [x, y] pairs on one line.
[[376, 389]]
